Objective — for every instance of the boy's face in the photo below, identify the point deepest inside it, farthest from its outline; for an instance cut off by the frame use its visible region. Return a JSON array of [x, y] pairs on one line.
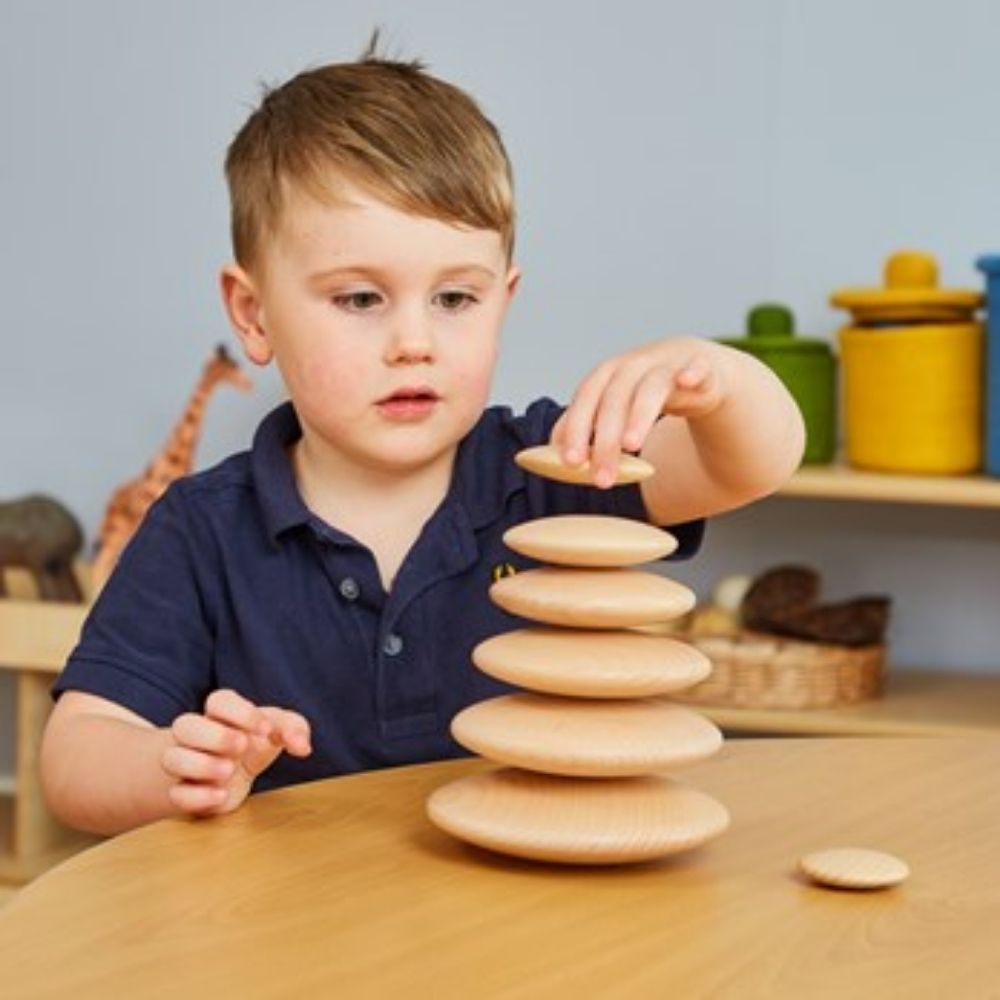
[[384, 326]]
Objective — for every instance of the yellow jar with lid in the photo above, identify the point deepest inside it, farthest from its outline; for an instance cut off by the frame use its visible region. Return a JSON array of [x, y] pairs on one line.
[[912, 372]]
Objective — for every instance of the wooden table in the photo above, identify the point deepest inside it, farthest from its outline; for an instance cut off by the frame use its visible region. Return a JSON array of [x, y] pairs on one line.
[[342, 888]]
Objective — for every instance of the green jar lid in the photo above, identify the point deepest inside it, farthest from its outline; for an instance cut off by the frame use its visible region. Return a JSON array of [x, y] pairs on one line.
[[771, 326]]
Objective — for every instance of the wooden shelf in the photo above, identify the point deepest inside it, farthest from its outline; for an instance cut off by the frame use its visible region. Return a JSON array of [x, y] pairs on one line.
[[915, 703], [38, 635], [19, 866], [35, 639], [840, 482]]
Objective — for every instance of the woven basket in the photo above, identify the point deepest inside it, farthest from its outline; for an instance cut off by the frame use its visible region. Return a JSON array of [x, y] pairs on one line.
[[754, 670]]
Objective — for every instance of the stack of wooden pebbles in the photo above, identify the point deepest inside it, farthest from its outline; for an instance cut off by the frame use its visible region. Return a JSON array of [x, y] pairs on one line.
[[585, 746]]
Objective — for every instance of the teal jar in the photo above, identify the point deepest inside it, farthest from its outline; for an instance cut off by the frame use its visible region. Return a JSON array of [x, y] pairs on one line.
[[807, 367]]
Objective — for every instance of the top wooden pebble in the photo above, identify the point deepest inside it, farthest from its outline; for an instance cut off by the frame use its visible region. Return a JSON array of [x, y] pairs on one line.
[[545, 460]]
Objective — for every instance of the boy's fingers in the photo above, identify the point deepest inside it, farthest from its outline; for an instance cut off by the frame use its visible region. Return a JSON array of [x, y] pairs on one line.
[[579, 416], [194, 798], [693, 374], [695, 389], [609, 428], [558, 431], [185, 764], [201, 733], [647, 406], [233, 709], [291, 730]]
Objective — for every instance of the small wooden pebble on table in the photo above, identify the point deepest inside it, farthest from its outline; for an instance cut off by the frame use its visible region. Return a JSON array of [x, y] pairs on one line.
[[586, 745], [854, 868]]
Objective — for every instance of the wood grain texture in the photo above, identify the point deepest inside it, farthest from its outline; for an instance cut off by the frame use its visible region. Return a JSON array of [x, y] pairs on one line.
[[576, 821], [544, 460], [591, 664], [586, 738], [592, 598], [590, 540], [345, 888]]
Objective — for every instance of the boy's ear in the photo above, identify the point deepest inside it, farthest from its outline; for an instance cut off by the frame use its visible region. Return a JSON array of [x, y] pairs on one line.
[[513, 280], [239, 295]]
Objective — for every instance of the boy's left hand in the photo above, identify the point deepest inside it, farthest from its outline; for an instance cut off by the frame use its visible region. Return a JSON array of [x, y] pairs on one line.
[[617, 404]]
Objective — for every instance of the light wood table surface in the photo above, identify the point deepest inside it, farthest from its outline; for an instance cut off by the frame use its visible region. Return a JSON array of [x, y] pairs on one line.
[[342, 888]]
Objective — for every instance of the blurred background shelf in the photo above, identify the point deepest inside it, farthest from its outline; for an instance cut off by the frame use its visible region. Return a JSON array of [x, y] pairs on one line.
[[840, 482], [914, 703], [35, 639]]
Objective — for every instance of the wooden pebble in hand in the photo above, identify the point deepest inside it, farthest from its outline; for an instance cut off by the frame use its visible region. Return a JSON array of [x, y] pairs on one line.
[[854, 868], [545, 460]]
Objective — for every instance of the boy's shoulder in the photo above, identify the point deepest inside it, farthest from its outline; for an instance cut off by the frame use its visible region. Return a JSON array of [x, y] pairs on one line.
[[257, 483], [533, 426], [486, 475]]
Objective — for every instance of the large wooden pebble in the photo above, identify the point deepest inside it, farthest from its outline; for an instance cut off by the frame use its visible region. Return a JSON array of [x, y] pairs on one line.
[[592, 664], [576, 820], [592, 598], [854, 868], [545, 460], [590, 540], [585, 738]]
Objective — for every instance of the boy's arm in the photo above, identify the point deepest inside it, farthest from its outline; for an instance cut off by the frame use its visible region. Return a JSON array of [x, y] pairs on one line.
[[105, 769], [717, 424]]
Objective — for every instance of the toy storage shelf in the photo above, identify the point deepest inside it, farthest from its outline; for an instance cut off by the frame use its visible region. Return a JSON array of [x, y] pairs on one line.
[[840, 482], [35, 639], [915, 703]]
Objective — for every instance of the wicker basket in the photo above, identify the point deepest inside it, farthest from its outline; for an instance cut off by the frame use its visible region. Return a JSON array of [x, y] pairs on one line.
[[754, 670]]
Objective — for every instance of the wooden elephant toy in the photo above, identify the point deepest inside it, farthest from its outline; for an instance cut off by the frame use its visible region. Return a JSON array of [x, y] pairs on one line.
[[42, 536]]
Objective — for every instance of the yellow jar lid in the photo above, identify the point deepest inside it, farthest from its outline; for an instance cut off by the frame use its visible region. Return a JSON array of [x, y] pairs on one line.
[[910, 293]]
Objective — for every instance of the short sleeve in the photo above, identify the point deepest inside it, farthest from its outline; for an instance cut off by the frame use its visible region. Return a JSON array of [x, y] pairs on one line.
[[147, 643]]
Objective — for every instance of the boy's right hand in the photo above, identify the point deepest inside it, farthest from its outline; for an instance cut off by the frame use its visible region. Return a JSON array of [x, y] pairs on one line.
[[214, 758]]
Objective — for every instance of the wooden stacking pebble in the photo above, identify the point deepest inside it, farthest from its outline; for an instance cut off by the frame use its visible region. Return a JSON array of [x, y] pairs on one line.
[[590, 540], [854, 868], [592, 664], [592, 598], [584, 747], [584, 737], [544, 460], [576, 820]]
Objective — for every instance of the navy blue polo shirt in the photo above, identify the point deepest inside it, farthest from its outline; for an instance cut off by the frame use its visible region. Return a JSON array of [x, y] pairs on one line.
[[231, 582]]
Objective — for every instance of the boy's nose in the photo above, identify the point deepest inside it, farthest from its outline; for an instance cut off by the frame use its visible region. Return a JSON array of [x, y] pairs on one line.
[[411, 341]]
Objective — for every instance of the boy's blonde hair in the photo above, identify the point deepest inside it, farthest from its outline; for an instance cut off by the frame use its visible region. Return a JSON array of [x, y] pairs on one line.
[[416, 142]]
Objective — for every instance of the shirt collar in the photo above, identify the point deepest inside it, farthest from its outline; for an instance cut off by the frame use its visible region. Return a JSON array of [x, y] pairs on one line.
[[280, 503], [485, 475], [483, 480]]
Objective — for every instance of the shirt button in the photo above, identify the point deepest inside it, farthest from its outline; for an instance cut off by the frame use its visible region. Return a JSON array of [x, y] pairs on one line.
[[349, 588], [393, 644]]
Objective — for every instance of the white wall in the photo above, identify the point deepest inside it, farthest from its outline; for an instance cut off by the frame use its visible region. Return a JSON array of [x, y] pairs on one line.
[[676, 162]]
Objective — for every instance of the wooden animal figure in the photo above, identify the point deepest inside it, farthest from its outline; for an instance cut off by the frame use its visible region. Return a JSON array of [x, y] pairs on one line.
[[42, 536], [129, 503]]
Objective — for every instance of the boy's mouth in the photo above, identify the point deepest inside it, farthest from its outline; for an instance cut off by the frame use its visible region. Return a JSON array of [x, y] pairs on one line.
[[409, 402]]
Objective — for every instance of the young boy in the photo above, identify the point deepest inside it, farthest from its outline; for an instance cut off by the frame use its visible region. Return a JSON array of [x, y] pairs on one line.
[[308, 608]]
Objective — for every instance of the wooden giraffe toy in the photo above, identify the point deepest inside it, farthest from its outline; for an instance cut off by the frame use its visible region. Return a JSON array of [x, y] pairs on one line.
[[131, 500]]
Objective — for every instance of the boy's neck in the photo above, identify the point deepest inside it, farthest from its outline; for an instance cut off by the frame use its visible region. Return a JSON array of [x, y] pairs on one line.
[[386, 511]]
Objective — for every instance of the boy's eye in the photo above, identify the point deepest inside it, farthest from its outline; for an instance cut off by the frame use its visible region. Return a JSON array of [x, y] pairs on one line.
[[357, 301], [454, 301]]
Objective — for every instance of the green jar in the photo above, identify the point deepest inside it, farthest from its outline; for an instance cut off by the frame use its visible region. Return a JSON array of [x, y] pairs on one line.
[[807, 367]]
